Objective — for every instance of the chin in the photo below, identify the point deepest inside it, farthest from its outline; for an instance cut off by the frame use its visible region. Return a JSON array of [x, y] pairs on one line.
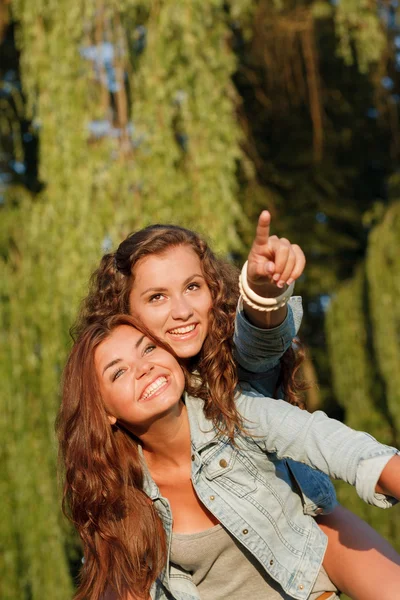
[[188, 351]]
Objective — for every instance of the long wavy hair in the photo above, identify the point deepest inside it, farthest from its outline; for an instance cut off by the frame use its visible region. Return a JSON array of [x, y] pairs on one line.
[[123, 538], [109, 292], [122, 534]]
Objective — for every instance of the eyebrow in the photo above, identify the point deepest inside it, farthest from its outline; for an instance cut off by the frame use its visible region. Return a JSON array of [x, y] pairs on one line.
[[117, 360], [164, 289]]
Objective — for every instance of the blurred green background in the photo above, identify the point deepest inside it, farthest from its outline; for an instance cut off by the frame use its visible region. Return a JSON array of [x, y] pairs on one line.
[[114, 115]]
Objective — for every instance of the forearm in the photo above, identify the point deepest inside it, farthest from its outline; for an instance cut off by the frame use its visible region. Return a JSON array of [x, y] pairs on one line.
[[259, 350]]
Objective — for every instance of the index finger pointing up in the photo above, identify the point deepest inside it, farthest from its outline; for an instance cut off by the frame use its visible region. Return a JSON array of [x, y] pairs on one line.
[[262, 231]]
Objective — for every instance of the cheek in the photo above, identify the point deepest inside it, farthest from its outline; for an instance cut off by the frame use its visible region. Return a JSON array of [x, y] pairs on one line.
[[210, 301], [135, 306], [112, 403], [207, 302], [119, 396], [151, 316], [154, 318]]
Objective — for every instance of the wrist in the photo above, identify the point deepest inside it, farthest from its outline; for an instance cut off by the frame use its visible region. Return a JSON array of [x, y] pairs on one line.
[[389, 480], [260, 302], [265, 289]]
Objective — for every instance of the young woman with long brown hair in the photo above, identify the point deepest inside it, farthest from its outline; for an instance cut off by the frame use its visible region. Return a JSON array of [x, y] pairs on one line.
[[169, 277], [173, 503]]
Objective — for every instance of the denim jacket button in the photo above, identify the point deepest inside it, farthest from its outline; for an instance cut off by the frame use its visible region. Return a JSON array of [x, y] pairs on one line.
[[245, 531], [223, 463], [301, 587], [212, 497], [193, 457], [271, 562]]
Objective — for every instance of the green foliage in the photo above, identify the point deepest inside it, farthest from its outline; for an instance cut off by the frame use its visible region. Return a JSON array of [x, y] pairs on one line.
[[316, 156], [317, 203], [383, 268], [208, 111], [178, 165], [361, 33], [184, 92], [362, 333], [355, 374]]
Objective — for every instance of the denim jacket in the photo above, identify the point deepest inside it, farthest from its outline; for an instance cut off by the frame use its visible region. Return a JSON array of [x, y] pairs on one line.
[[250, 491], [258, 352]]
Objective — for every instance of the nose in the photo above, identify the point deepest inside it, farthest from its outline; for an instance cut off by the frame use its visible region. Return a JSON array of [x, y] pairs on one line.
[[143, 367], [181, 309]]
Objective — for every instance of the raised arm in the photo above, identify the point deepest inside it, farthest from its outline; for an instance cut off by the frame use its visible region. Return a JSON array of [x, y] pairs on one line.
[[262, 337]]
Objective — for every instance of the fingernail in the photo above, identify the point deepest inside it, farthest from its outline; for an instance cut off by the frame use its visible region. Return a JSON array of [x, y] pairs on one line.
[[280, 284], [276, 277], [290, 281]]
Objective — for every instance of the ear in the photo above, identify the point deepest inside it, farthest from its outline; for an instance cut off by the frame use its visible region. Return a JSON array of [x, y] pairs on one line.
[[111, 419]]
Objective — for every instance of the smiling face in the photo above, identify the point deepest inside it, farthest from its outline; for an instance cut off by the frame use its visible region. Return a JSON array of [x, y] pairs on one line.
[[170, 295], [139, 381]]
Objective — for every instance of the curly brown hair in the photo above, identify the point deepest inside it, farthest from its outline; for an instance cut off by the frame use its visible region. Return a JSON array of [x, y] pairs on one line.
[[123, 538], [112, 282]]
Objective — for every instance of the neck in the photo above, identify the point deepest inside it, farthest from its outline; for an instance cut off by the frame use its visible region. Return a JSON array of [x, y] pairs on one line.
[[168, 440]]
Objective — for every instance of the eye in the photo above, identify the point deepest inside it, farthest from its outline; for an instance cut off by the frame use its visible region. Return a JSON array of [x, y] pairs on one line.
[[193, 286], [117, 374], [149, 348], [156, 297]]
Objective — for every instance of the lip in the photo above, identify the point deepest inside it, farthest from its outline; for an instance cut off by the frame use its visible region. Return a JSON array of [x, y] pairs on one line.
[[184, 336], [159, 390]]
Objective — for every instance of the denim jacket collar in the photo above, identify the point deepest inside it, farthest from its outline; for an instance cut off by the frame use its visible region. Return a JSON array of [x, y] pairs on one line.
[[202, 430]]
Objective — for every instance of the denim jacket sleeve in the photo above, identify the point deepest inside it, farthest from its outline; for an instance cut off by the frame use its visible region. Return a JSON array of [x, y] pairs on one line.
[[321, 442], [259, 350]]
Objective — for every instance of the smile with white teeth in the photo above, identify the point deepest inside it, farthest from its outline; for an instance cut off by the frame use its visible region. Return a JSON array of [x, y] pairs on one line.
[[182, 330], [153, 387]]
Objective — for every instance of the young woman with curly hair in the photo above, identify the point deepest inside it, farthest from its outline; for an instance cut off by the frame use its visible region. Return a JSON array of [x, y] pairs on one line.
[[169, 506], [169, 277]]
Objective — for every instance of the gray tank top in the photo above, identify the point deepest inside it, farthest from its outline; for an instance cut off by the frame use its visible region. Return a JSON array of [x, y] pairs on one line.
[[222, 568]]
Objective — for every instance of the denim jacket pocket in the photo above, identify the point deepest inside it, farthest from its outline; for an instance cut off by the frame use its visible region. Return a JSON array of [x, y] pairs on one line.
[[316, 489], [233, 470]]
